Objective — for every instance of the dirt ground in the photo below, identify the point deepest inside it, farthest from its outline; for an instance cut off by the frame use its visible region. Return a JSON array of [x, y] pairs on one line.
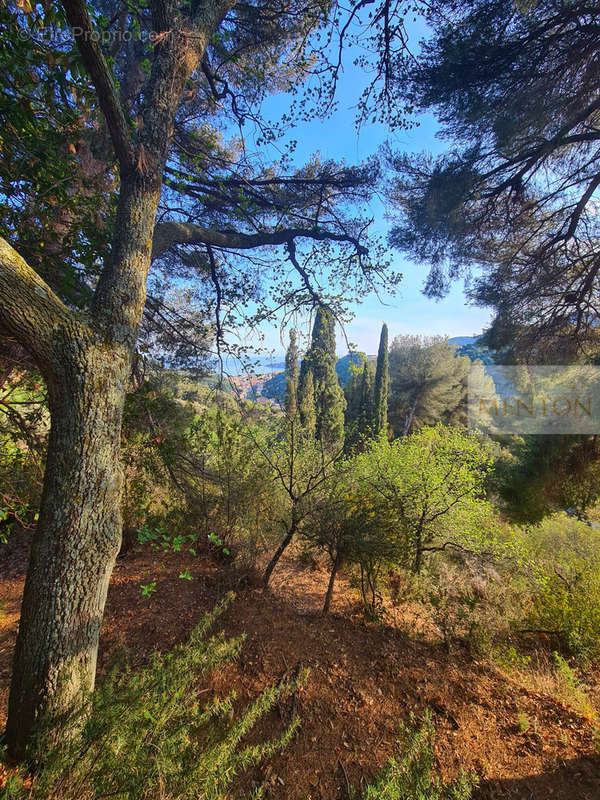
[[365, 681]]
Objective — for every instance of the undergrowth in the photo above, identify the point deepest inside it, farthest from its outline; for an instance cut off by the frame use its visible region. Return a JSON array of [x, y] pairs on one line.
[[146, 734], [409, 776]]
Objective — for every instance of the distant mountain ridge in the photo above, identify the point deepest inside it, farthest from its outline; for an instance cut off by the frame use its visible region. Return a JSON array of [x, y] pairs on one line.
[[461, 341], [469, 346]]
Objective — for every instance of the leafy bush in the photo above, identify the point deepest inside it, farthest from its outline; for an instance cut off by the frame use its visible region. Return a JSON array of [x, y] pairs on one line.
[[570, 686], [571, 611], [509, 659], [146, 735], [429, 488], [161, 540], [404, 504], [409, 776], [471, 599], [196, 470], [344, 522], [23, 434], [566, 594]]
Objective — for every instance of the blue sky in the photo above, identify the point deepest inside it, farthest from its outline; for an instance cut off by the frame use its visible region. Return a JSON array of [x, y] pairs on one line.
[[408, 312]]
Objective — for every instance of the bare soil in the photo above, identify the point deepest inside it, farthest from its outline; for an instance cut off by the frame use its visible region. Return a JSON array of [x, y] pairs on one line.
[[365, 680]]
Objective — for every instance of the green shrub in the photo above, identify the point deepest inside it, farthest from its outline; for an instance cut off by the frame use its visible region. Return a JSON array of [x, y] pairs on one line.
[[508, 658], [409, 776], [570, 686], [23, 435], [571, 611], [566, 593], [146, 735], [426, 492]]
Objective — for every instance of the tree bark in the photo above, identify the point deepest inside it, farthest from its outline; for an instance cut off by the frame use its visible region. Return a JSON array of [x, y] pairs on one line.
[[87, 365], [418, 553], [330, 585], [278, 553], [75, 545], [409, 419], [87, 368]]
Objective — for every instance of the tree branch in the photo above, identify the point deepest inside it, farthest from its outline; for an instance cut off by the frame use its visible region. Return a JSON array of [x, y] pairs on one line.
[[291, 248], [29, 309], [93, 58], [169, 234]]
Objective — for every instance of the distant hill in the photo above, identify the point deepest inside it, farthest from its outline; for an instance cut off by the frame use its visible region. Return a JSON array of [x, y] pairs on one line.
[[343, 365], [469, 346], [274, 388], [460, 341]]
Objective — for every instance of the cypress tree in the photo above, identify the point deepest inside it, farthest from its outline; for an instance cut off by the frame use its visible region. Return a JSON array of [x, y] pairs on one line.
[[330, 410], [330, 402], [353, 393], [366, 400], [382, 380], [306, 399], [322, 346], [319, 379], [291, 374], [356, 393]]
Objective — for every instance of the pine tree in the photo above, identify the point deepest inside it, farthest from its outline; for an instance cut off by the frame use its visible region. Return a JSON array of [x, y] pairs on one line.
[[515, 194], [382, 380], [428, 383], [291, 374]]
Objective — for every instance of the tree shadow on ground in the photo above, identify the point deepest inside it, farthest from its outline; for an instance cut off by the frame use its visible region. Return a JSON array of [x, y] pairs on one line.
[[577, 779], [365, 682]]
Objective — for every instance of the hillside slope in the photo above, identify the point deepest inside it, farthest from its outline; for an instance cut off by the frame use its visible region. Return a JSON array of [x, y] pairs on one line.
[[365, 680]]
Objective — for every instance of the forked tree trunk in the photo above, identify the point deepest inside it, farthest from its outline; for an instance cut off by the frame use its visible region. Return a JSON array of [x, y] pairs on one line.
[[87, 364], [75, 546]]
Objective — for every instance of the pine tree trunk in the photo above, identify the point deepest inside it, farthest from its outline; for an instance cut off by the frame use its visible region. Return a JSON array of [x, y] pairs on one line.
[[87, 365], [75, 545]]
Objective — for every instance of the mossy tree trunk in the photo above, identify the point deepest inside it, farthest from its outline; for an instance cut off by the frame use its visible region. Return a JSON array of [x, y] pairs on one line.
[[74, 548], [87, 368], [86, 363]]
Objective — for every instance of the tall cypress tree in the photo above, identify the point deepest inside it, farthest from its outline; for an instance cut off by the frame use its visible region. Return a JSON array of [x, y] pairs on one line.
[[291, 374], [359, 403], [382, 381], [322, 346], [367, 406], [329, 395], [306, 399], [330, 410], [352, 392], [318, 375]]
